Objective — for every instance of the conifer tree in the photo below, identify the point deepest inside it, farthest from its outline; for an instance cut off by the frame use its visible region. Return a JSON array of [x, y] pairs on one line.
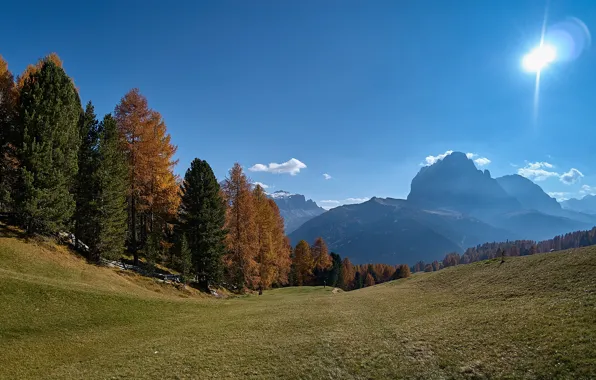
[[202, 218], [240, 260], [186, 266], [303, 263], [112, 181], [347, 274], [8, 161], [264, 220], [321, 259], [153, 197], [282, 246], [49, 110], [369, 280], [86, 195], [334, 273]]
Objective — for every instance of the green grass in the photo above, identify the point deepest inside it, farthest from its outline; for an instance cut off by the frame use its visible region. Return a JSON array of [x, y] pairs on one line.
[[531, 317]]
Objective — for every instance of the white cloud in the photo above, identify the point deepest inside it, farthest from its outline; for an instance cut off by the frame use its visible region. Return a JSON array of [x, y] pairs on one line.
[[559, 195], [571, 177], [589, 190], [292, 167], [482, 161], [326, 176], [332, 203], [536, 171], [432, 159], [261, 184]]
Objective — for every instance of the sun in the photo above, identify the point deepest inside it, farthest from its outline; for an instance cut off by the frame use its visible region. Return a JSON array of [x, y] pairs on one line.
[[539, 58]]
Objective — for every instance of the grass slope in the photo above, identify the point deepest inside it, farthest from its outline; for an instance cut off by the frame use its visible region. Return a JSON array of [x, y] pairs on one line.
[[531, 317]]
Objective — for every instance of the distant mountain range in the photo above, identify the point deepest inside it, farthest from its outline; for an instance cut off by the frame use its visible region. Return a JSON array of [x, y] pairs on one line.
[[586, 205], [451, 206], [295, 209]]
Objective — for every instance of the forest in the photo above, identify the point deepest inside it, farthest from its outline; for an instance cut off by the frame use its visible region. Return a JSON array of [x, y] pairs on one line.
[[111, 182]]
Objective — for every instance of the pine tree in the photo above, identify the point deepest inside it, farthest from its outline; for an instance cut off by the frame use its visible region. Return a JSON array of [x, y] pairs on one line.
[[86, 196], [49, 110], [240, 260], [201, 219], [303, 263], [334, 274], [8, 162], [112, 180], [266, 256], [186, 265], [369, 280]]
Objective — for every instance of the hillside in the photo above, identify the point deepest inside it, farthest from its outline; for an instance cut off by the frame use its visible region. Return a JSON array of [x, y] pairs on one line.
[[394, 231], [530, 317]]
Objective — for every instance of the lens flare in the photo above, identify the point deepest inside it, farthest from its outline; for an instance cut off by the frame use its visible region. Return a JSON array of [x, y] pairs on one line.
[[539, 58]]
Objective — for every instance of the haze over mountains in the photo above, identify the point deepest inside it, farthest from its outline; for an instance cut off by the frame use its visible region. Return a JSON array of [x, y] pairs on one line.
[[451, 206]]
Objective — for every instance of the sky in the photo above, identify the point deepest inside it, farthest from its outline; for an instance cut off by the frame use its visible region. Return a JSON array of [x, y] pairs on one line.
[[339, 100]]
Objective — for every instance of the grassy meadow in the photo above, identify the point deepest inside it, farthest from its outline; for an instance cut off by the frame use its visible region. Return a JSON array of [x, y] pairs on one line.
[[531, 317]]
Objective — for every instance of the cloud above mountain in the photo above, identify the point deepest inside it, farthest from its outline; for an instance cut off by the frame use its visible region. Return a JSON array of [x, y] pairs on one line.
[[480, 161], [541, 171], [291, 167], [326, 176], [559, 195], [332, 203], [571, 177], [588, 190], [537, 171], [261, 184]]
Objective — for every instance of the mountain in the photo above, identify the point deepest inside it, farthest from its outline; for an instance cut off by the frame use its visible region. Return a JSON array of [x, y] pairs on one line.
[[394, 231], [454, 183], [586, 205], [295, 209], [530, 195], [452, 205]]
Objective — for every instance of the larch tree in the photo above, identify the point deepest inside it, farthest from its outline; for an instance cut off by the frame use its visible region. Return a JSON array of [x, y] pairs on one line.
[[241, 259], [369, 280], [153, 197], [303, 263], [112, 182], [86, 189], [321, 259], [8, 162], [202, 218], [49, 109], [266, 255], [347, 274], [281, 246]]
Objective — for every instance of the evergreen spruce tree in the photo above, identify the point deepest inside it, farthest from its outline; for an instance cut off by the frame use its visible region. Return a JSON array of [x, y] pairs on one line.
[[49, 110], [8, 163], [202, 218], [112, 182], [186, 266], [87, 187]]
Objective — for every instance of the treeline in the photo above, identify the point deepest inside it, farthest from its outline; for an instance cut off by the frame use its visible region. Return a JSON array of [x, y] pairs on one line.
[[313, 265], [493, 250]]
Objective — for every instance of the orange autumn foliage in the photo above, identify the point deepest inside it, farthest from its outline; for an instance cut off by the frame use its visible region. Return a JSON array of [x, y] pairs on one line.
[[153, 195]]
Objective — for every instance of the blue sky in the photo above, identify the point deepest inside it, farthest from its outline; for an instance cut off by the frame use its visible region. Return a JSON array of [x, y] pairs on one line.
[[363, 91]]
